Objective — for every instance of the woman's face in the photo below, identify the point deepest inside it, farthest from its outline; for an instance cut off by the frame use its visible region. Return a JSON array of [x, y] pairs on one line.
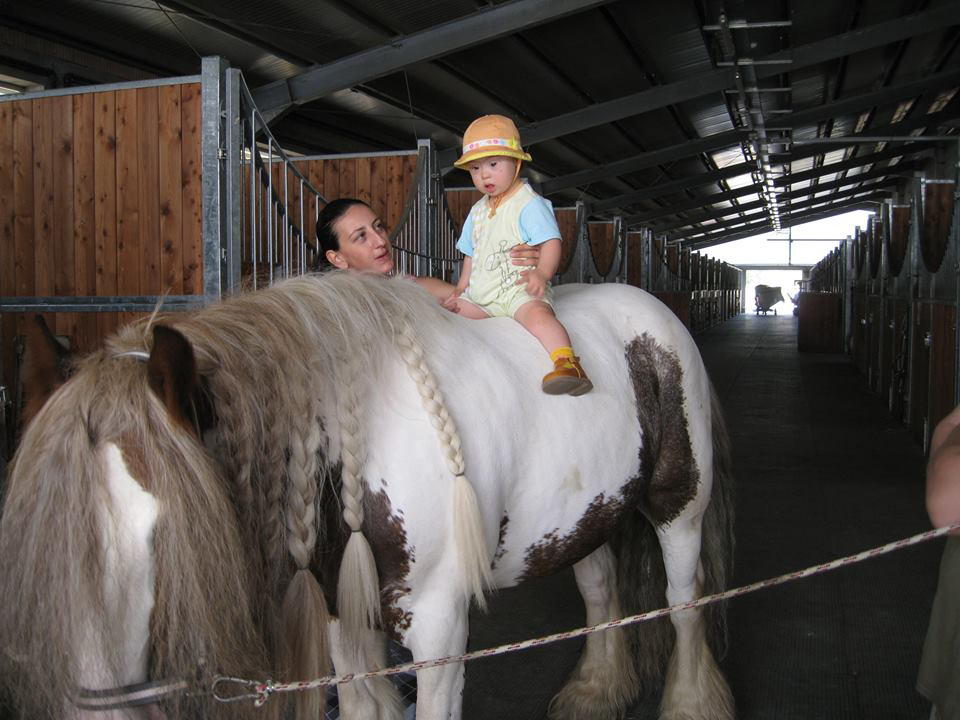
[[364, 243]]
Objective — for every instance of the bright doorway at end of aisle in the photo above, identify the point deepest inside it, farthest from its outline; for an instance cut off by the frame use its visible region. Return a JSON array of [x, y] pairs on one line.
[[787, 280]]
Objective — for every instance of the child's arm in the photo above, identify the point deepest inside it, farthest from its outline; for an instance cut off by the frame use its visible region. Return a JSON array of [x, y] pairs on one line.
[[539, 276], [450, 303]]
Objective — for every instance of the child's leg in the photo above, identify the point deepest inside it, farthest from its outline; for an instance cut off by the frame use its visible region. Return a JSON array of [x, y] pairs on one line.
[[538, 319], [467, 309], [567, 377]]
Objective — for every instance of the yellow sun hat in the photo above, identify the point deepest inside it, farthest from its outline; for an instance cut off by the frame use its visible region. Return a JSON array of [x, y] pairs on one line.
[[488, 136]]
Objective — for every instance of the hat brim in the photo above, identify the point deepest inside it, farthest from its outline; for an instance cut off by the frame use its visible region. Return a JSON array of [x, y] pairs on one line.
[[491, 152]]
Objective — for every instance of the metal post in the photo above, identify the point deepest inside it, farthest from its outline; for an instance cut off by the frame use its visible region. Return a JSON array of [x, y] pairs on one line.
[[233, 187], [582, 238], [213, 181], [426, 207]]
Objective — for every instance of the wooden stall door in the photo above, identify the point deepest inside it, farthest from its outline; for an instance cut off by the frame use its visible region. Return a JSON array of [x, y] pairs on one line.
[[942, 362]]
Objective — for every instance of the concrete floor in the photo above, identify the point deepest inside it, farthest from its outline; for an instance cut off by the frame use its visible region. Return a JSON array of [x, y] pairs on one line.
[[822, 472]]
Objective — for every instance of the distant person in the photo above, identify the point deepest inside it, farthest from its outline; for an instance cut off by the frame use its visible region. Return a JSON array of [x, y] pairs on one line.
[[511, 214], [939, 676]]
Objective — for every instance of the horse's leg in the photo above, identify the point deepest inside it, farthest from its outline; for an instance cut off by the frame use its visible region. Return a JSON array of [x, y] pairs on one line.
[[374, 699], [695, 689], [105, 660], [438, 628], [604, 681]]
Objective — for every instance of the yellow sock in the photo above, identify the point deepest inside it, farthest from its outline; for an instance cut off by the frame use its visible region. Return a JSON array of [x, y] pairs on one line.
[[562, 352]]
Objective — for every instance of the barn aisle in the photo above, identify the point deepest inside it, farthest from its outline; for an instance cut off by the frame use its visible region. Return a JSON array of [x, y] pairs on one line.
[[822, 471]]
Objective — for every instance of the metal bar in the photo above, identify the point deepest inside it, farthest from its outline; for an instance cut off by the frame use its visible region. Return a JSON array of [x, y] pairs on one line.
[[749, 25], [106, 87], [233, 221], [645, 160], [850, 139], [888, 154], [350, 156], [213, 175], [268, 208], [672, 187], [743, 62], [787, 219], [101, 303], [478, 27], [756, 90]]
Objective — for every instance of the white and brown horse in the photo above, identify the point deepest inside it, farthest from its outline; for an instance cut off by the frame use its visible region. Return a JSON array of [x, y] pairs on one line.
[[275, 480]]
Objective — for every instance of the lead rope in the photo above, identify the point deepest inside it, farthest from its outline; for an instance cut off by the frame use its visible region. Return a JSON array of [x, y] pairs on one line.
[[468, 530]]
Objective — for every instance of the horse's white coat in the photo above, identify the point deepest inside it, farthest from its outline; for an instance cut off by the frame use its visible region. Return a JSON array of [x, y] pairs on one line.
[[537, 462], [127, 523]]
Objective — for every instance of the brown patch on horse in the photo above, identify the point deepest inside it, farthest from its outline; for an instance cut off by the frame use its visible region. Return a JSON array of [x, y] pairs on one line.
[[46, 367], [553, 552], [172, 375], [501, 550], [388, 540], [666, 455]]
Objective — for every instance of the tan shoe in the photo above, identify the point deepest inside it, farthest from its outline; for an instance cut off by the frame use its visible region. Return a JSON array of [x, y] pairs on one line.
[[567, 378]]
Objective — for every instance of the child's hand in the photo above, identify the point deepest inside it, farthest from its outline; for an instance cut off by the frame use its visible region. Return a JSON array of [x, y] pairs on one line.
[[536, 283], [450, 302]]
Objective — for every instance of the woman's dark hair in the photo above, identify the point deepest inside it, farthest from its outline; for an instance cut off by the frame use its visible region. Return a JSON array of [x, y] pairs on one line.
[[326, 236]]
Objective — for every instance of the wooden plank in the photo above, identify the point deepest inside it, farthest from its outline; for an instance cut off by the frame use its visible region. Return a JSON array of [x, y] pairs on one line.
[[820, 322], [395, 194], [169, 186], [44, 259], [129, 221], [348, 177], [364, 189], [331, 179], [64, 270], [192, 234], [7, 254], [84, 216], [148, 189], [378, 187], [942, 362], [105, 203]]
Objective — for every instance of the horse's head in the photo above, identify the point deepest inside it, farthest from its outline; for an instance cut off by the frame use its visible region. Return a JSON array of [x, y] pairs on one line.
[[119, 542]]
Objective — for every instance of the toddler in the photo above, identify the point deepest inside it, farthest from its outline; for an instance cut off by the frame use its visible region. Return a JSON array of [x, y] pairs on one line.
[[508, 214]]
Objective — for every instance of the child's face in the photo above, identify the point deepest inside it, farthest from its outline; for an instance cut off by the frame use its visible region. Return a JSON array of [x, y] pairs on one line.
[[493, 175]]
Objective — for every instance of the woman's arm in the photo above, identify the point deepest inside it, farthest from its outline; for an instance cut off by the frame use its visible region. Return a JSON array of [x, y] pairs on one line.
[[435, 286], [943, 472]]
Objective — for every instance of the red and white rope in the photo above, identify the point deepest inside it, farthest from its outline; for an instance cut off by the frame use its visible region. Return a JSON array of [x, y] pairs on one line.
[[261, 691]]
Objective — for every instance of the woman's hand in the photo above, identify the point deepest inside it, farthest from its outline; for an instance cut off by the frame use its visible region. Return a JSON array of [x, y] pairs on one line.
[[526, 256], [536, 283]]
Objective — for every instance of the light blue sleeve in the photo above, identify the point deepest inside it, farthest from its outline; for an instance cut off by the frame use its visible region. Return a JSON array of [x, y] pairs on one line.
[[465, 243], [537, 222]]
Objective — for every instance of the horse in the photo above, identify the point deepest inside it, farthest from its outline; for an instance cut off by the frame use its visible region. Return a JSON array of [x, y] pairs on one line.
[[276, 482]]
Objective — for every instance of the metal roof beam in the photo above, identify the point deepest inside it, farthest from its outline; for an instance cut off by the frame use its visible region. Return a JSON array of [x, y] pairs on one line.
[[888, 154], [872, 187], [835, 143], [689, 88], [866, 203], [802, 192], [864, 101], [645, 160], [672, 187], [479, 27]]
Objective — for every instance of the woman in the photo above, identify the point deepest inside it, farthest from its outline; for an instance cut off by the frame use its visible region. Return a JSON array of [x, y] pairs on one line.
[[352, 237]]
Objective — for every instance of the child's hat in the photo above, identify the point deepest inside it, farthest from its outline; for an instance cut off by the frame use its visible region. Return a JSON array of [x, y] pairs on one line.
[[488, 136]]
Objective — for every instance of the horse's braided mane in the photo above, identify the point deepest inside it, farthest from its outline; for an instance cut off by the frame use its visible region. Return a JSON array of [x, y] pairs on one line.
[[273, 362]]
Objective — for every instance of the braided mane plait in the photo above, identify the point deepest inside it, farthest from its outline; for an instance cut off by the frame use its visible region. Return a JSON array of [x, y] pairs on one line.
[[466, 514]]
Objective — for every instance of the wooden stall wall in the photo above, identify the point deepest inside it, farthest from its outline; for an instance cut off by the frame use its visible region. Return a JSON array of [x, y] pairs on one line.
[[99, 195], [383, 182]]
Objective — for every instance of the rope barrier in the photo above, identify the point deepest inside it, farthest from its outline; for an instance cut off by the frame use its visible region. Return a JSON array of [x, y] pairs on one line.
[[262, 690]]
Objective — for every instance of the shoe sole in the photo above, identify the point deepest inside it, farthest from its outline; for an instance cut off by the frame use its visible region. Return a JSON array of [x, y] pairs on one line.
[[568, 386]]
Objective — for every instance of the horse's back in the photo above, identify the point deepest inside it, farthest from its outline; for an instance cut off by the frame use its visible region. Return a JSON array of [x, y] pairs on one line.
[[552, 473]]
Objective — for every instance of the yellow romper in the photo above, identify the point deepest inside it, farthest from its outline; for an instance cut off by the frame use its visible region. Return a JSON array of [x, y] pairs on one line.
[[493, 277]]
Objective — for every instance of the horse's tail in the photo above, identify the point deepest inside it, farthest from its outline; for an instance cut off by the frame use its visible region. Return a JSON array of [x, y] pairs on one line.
[[642, 576]]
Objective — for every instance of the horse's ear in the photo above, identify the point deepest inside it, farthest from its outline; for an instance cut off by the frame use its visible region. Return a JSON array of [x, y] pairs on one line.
[[172, 374], [45, 367]]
